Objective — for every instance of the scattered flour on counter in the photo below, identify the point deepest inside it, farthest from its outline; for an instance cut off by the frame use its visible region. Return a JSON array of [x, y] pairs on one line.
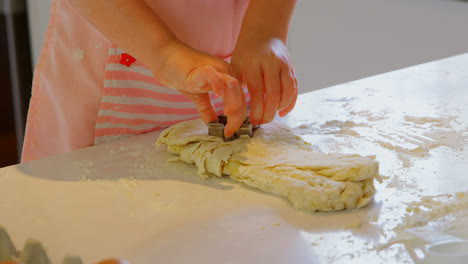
[[129, 182], [341, 127], [341, 100], [346, 101], [355, 224], [409, 138], [277, 161], [381, 178], [133, 150], [445, 212], [370, 116], [346, 247], [332, 127], [417, 136], [87, 169], [431, 121]]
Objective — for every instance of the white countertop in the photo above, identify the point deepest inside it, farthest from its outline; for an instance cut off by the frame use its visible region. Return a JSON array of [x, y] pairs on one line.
[[123, 199]]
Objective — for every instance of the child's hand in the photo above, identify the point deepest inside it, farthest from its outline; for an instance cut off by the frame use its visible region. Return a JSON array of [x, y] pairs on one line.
[[194, 74], [145, 35], [264, 65]]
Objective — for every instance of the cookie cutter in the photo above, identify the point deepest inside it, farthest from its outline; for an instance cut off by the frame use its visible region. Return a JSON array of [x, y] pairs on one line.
[[217, 128]]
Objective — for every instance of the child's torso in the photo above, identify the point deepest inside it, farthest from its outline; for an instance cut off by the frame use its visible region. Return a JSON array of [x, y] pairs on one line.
[[74, 79], [211, 26]]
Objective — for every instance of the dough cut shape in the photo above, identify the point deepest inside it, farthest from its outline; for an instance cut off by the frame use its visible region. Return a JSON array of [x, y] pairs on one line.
[[277, 161]]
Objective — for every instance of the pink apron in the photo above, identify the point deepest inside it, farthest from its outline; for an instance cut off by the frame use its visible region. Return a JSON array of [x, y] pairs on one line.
[[87, 91], [134, 102]]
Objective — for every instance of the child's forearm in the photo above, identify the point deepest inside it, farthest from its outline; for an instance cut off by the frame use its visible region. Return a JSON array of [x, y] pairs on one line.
[[132, 25], [262, 62], [270, 18], [136, 28]]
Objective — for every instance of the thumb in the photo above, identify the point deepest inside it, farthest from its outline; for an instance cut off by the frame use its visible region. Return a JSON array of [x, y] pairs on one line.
[[203, 103]]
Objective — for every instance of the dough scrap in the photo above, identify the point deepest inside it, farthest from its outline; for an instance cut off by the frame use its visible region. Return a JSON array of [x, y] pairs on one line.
[[277, 161]]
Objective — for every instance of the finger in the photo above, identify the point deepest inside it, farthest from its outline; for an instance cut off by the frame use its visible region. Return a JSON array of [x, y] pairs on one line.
[[203, 104], [235, 108], [205, 79], [233, 71], [232, 95], [288, 88], [288, 109], [254, 80], [272, 81]]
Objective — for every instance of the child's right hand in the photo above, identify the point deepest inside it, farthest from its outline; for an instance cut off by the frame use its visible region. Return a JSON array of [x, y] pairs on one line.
[[194, 74], [145, 35]]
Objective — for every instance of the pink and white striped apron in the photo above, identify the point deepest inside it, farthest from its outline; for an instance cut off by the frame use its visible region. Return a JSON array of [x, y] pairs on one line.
[[134, 102], [66, 111]]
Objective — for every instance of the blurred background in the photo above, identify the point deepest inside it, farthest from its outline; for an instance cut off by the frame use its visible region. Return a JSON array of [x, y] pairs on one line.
[[331, 42]]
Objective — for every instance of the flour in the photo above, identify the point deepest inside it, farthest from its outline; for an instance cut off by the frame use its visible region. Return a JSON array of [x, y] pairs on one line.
[[420, 135], [332, 127], [441, 211], [446, 213], [410, 138], [370, 116], [355, 224], [341, 128], [86, 169], [78, 54]]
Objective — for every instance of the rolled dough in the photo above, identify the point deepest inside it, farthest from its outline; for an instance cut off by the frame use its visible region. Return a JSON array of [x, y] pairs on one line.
[[277, 161]]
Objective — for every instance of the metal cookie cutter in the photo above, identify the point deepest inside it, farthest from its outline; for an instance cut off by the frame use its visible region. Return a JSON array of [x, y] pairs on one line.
[[217, 128]]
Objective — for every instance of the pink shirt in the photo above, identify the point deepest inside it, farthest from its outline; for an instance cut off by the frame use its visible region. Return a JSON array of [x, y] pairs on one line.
[[67, 103]]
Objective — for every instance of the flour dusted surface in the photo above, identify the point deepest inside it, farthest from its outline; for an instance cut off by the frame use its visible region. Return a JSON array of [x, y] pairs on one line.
[[277, 161]]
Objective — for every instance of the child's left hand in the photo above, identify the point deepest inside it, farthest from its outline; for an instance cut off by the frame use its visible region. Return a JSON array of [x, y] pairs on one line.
[[194, 74]]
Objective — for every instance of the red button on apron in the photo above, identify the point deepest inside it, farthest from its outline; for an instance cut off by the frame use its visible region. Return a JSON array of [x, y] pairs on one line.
[[126, 59]]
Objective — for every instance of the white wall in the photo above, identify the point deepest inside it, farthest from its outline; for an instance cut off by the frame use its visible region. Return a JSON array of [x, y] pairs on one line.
[[38, 15], [336, 41]]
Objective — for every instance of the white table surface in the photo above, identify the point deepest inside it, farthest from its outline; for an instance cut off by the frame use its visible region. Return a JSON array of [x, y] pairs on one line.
[[123, 199]]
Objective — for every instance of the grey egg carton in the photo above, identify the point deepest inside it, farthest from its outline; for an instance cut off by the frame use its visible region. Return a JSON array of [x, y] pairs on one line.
[[33, 252]]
